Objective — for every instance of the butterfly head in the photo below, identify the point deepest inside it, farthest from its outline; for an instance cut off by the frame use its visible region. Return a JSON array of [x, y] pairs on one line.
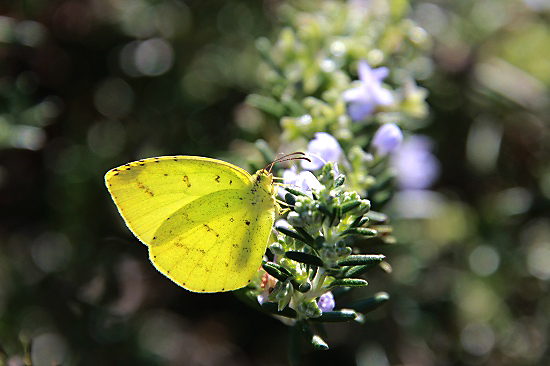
[[263, 179]]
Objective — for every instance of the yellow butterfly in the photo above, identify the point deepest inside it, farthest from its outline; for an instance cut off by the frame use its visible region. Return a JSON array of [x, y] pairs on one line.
[[206, 222]]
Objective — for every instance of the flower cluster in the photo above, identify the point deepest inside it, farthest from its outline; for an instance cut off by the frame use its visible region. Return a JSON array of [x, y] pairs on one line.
[[313, 255], [351, 102], [369, 93]]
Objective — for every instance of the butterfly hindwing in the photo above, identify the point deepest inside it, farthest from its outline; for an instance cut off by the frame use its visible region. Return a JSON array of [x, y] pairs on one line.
[[215, 250]]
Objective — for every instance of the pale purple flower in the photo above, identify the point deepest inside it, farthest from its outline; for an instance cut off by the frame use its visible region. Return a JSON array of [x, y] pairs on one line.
[[387, 139], [322, 149], [417, 167], [370, 93], [326, 302], [303, 181]]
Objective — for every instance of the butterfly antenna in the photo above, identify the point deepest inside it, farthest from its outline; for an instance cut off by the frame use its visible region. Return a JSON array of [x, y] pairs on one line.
[[292, 156], [270, 165], [298, 155]]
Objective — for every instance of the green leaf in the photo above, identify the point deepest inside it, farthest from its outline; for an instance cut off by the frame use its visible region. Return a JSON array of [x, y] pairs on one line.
[[372, 303], [296, 192], [333, 271], [349, 282], [359, 221], [339, 180], [267, 104], [276, 271], [362, 259], [360, 231], [343, 315], [350, 206], [309, 240], [377, 217], [301, 287], [315, 340], [290, 199], [295, 108], [305, 258], [264, 47], [291, 233], [319, 343]]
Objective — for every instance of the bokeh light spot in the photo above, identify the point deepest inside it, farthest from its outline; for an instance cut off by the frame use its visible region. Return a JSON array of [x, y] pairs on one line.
[[49, 349], [484, 260], [538, 260], [27, 137], [51, 252], [154, 57], [483, 145], [29, 33], [106, 138], [162, 334], [114, 98], [6, 29], [477, 338]]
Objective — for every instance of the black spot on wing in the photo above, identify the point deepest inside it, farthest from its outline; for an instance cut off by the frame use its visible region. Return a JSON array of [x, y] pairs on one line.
[[209, 229], [186, 181], [145, 189]]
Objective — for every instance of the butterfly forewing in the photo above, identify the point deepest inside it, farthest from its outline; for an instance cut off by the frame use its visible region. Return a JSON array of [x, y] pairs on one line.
[[148, 191]]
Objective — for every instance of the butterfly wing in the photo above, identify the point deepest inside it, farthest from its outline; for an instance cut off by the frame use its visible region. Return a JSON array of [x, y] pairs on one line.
[[221, 243], [205, 222], [148, 191]]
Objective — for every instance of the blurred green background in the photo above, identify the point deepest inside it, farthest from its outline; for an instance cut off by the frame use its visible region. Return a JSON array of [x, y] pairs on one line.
[[89, 85]]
